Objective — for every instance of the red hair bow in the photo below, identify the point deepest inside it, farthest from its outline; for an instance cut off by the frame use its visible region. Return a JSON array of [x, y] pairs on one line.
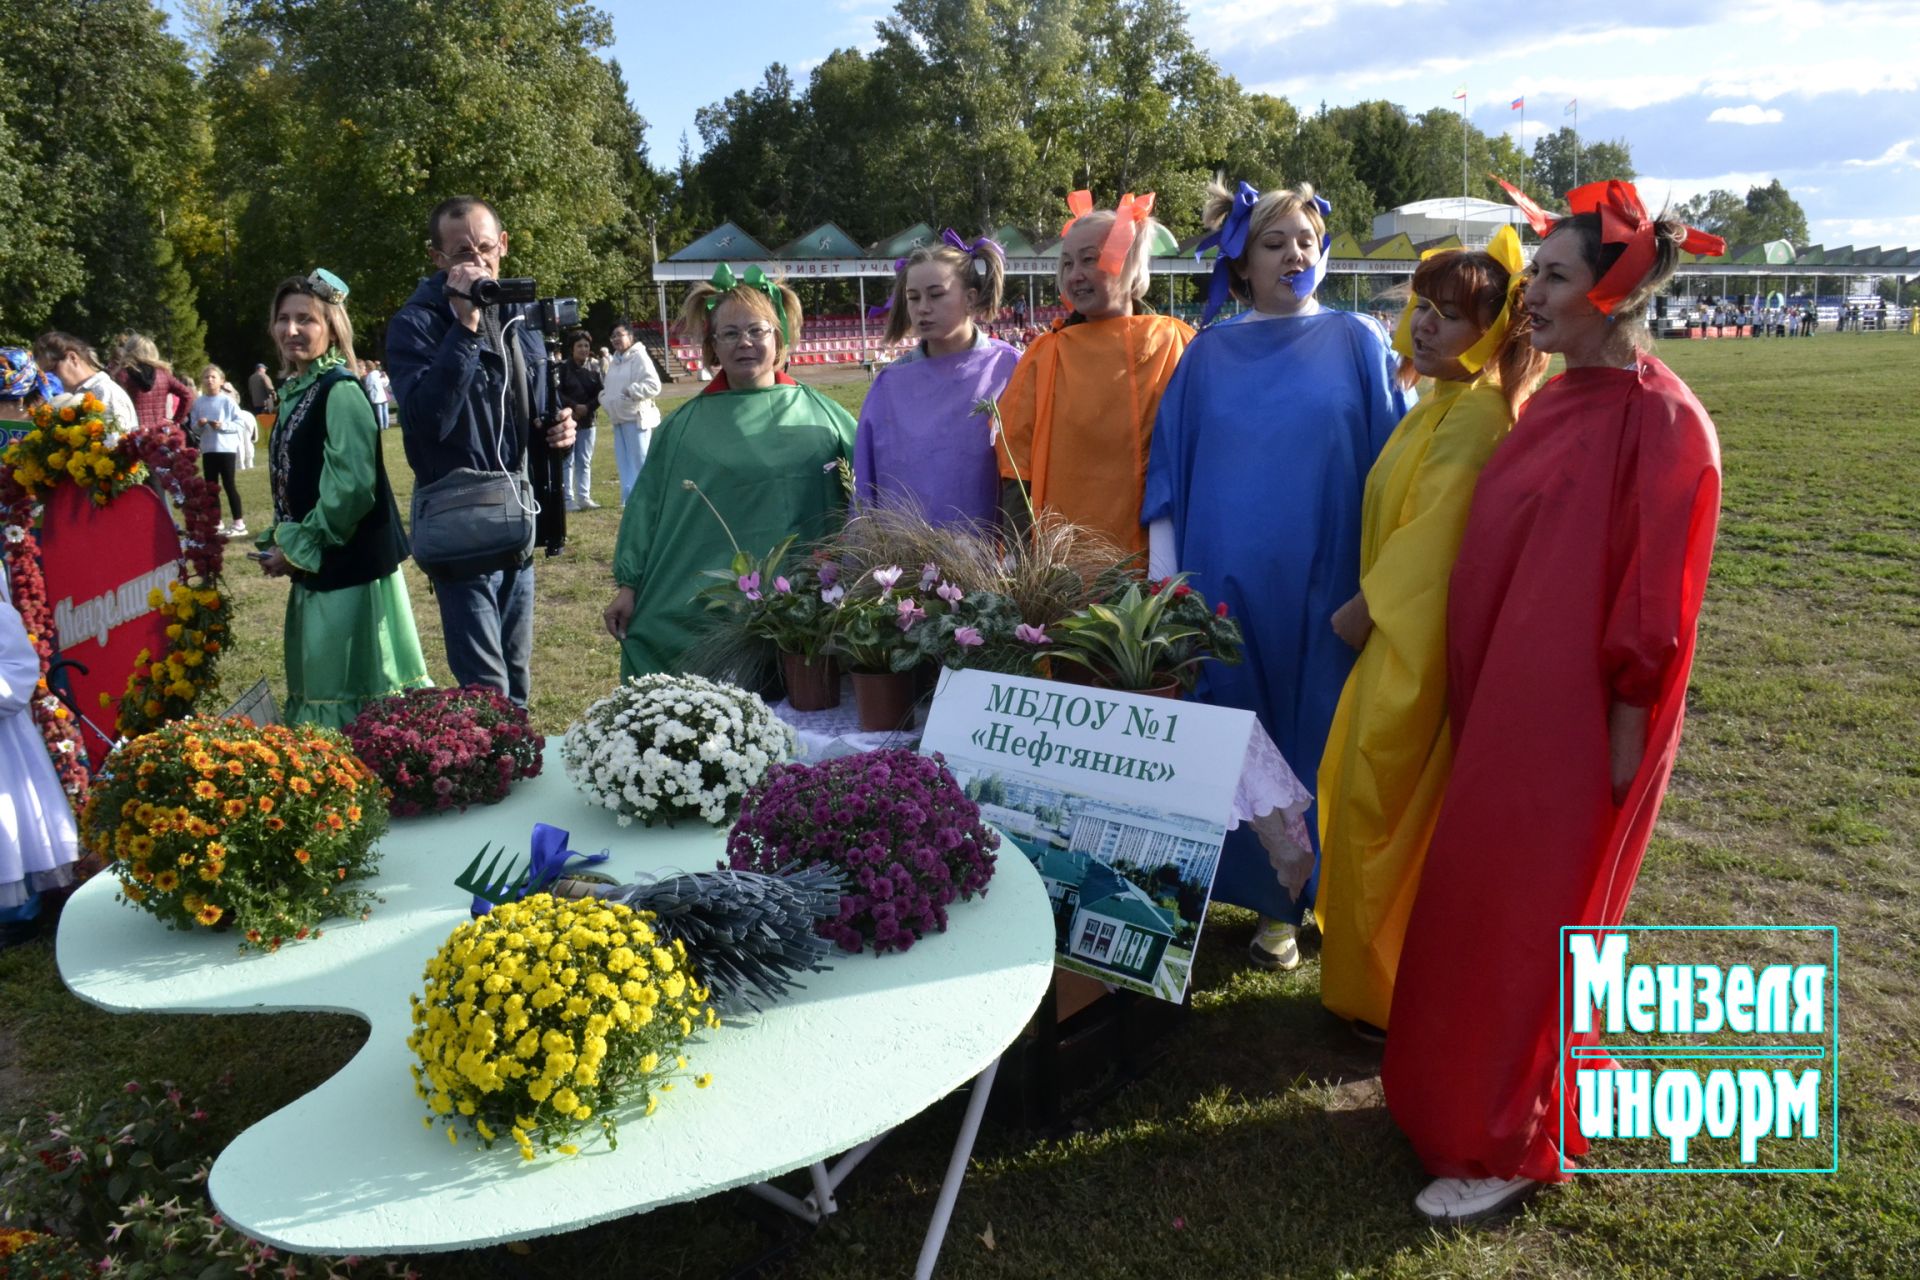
[[1132, 212], [1623, 221]]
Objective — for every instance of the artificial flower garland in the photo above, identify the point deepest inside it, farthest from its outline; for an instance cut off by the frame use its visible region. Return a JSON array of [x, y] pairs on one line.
[[73, 442]]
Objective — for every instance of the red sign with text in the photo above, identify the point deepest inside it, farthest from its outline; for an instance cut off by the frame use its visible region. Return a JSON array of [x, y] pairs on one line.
[[101, 565]]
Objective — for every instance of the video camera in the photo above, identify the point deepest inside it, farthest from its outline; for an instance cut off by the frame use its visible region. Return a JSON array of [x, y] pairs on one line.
[[555, 315]]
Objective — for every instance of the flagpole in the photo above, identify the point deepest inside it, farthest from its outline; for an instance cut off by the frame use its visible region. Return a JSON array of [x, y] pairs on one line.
[[1576, 142]]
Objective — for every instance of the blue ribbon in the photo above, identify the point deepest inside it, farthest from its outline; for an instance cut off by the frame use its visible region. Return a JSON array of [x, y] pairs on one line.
[[976, 248], [548, 859], [1231, 239]]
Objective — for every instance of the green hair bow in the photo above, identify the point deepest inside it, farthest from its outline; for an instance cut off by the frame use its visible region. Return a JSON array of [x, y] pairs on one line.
[[724, 281]]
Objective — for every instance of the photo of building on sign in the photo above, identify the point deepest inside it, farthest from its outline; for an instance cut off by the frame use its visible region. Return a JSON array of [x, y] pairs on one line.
[[1128, 885]]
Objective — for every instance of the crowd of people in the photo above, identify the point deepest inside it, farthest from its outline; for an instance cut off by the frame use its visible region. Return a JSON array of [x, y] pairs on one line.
[[1469, 611]]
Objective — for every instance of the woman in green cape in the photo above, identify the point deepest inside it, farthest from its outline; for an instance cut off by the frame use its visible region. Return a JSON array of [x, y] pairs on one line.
[[764, 450]]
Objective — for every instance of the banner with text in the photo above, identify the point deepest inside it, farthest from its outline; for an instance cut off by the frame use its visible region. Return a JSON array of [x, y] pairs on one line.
[[1119, 800]]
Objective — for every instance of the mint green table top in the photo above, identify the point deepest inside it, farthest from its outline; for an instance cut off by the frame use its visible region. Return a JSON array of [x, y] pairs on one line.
[[348, 1168]]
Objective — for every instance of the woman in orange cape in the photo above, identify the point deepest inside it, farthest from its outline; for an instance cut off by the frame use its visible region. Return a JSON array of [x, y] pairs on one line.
[[1078, 413]]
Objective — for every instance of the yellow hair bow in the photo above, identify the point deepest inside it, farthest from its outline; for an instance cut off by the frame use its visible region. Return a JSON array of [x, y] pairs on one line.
[[1505, 250]]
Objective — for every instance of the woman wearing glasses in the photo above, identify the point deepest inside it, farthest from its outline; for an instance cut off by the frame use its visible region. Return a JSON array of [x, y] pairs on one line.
[[763, 450], [336, 532]]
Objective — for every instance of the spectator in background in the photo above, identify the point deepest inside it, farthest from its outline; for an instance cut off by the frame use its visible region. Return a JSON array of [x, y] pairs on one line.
[[630, 385], [74, 363], [218, 426], [580, 389], [158, 394], [260, 390], [373, 380]]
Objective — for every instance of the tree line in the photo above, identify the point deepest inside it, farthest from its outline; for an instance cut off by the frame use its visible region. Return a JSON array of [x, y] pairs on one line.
[[165, 182]]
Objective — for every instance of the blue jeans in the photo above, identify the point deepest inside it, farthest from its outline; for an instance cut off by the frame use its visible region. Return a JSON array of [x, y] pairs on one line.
[[380, 414], [487, 621], [629, 452], [580, 466]]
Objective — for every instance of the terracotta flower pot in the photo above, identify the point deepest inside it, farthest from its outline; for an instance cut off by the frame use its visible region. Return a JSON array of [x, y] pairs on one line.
[[885, 700], [813, 684]]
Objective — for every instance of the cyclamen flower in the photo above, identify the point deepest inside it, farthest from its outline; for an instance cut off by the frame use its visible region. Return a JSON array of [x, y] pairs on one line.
[[950, 593], [783, 586], [829, 573], [1032, 635], [749, 585], [833, 594], [887, 577], [968, 637], [910, 612], [929, 574]]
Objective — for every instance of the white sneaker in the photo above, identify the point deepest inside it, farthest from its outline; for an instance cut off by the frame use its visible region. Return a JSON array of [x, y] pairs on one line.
[[1471, 1199], [1275, 946], [588, 504]]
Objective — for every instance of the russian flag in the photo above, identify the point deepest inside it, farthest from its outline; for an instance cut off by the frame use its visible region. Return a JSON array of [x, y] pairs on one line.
[[1519, 104]]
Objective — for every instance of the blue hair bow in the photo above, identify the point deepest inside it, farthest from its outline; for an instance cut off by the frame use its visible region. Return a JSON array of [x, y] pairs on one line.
[[977, 247], [1231, 239]]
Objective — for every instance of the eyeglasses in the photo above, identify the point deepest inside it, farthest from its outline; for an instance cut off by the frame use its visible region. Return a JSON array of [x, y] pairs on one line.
[[731, 337], [327, 286]]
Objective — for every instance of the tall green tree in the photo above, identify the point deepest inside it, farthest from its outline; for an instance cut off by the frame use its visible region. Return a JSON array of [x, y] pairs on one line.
[[1773, 214], [1384, 149], [1554, 170], [383, 109], [38, 265], [106, 108]]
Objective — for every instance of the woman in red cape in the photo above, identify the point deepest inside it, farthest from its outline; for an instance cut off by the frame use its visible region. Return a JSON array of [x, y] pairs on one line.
[[1570, 622]]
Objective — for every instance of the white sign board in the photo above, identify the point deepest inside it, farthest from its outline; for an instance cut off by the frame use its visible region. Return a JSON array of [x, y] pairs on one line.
[[1119, 800]]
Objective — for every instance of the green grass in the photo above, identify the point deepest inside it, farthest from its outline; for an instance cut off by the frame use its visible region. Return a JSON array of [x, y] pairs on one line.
[[1260, 1146]]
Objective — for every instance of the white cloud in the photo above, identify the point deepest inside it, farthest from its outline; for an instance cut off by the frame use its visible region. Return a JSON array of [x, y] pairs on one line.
[[1749, 114], [1896, 229], [1900, 154], [1656, 189]]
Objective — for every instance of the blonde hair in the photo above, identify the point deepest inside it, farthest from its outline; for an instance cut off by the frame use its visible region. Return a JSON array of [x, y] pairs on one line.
[[1135, 272], [982, 274], [1268, 209], [138, 348], [339, 325], [209, 372], [696, 316]]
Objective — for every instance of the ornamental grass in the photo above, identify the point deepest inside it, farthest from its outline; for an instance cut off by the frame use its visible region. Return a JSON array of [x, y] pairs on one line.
[[545, 1017], [219, 824], [439, 749], [896, 823]]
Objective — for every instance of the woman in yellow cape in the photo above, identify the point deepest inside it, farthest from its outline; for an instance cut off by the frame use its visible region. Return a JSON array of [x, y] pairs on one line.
[[1390, 750]]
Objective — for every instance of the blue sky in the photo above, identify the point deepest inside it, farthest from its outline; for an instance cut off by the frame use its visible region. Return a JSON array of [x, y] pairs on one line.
[[1824, 96]]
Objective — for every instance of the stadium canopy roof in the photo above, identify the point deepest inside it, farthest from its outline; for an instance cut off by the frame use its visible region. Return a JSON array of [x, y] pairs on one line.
[[825, 241], [725, 243]]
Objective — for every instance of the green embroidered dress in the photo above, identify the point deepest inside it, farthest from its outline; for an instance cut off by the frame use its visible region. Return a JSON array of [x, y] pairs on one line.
[[347, 646], [766, 460]]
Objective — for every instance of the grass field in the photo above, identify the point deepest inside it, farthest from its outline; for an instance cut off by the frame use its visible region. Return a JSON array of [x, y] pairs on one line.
[[1260, 1147]]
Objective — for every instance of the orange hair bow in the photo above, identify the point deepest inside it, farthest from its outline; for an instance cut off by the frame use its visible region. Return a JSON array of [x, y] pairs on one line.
[[1128, 216], [1623, 221]]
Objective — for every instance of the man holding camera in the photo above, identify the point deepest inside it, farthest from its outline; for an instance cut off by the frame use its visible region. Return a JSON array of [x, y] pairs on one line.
[[469, 374]]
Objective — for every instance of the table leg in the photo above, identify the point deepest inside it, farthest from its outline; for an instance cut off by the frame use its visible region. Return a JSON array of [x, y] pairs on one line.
[[956, 1172]]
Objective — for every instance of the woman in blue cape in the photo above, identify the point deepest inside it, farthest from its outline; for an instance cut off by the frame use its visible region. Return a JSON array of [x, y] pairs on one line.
[[1254, 488]]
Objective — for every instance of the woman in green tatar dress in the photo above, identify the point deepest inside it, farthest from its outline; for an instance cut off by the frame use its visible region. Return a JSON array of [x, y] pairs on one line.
[[763, 449], [336, 529]]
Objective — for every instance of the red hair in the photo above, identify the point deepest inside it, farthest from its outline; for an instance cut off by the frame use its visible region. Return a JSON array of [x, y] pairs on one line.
[[1475, 284]]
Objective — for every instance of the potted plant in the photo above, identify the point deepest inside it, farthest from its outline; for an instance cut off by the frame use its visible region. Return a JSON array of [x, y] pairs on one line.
[[795, 607], [1146, 637], [877, 639], [439, 749]]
